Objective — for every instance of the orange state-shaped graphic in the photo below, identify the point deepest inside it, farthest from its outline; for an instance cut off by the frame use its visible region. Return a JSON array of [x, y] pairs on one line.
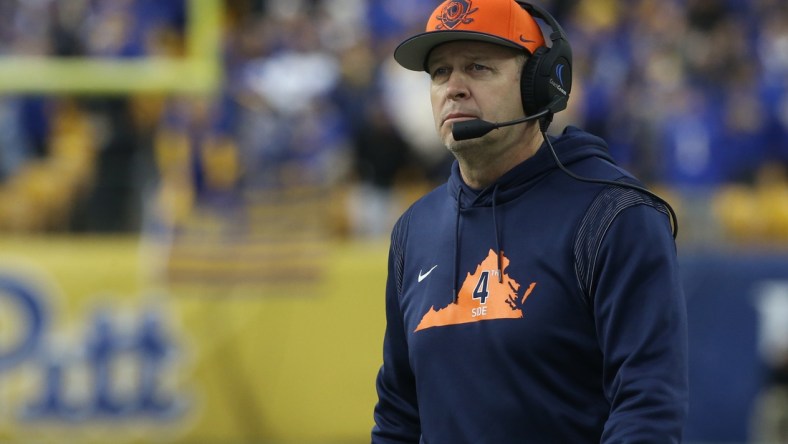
[[482, 297]]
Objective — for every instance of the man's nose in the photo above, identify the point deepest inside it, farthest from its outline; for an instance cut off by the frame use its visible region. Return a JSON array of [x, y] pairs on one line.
[[457, 87]]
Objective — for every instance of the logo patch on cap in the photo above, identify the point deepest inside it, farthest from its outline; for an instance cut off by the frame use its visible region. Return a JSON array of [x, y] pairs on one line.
[[455, 13]]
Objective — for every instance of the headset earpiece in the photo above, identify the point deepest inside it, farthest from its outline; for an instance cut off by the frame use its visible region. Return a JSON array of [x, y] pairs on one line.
[[547, 75], [528, 87]]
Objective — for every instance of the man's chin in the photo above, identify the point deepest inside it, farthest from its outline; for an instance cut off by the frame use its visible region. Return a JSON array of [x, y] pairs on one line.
[[460, 146]]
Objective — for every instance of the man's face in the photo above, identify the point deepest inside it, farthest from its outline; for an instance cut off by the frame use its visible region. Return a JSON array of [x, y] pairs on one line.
[[476, 80]]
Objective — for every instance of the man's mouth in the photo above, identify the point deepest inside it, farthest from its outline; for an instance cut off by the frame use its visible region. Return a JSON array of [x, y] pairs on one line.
[[458, 117]]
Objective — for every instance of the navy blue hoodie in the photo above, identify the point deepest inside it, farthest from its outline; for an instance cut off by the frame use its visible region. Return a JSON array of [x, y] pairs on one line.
[[541, 309]]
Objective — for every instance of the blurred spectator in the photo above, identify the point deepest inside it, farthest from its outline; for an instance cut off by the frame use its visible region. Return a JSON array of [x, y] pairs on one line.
[[42, 192], [381, 158]]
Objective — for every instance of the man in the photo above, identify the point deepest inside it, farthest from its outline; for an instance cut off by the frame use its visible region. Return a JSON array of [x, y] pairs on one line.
[[524, 303]]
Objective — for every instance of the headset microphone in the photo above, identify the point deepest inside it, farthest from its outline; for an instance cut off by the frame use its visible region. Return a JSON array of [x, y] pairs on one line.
[[471, 129]]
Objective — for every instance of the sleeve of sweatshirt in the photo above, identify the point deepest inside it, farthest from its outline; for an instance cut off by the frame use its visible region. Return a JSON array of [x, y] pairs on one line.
[[641, 321], [396, 413]]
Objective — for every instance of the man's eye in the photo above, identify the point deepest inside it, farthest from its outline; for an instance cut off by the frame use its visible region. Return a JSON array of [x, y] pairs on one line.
[[439, 72], [478, 67]]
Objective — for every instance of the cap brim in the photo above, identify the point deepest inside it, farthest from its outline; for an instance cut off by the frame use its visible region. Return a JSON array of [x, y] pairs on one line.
[[412, 53]]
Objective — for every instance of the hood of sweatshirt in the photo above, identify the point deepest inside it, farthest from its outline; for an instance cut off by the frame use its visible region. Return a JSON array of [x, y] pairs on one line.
[[572, 146]]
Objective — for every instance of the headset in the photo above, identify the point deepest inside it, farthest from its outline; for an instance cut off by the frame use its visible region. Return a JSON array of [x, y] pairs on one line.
[[546, 79]]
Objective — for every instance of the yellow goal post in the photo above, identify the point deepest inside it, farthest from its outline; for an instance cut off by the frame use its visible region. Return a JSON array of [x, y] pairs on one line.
[[197, 72]]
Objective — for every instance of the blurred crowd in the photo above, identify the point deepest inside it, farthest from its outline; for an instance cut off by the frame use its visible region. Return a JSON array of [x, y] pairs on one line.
[[692, 96]]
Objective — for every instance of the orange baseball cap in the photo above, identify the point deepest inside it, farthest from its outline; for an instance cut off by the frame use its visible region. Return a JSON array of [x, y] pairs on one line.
[[503, 22]]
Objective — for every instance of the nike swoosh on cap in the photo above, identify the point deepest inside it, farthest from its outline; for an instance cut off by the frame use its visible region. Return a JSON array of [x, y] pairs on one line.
[[525, 40]]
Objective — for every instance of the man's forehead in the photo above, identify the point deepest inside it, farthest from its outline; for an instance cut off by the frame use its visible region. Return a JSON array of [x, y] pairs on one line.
[[470, 49]]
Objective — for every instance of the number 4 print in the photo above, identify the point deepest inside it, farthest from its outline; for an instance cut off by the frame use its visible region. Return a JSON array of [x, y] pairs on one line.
[[481, 292]]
